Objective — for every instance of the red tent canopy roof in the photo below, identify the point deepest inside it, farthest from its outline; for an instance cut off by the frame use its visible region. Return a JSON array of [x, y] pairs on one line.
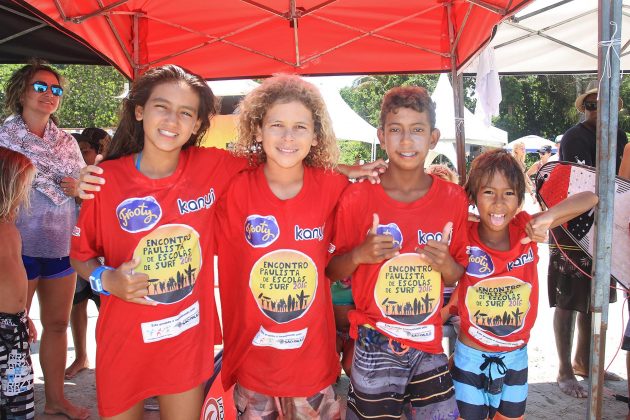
[[247, 38]]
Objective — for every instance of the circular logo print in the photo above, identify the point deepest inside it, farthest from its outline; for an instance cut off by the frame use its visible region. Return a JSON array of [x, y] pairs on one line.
[[284, 283], [408, 290], [171, 256]]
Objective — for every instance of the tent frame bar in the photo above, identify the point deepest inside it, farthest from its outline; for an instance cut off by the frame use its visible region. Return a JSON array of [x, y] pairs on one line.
[[609, 13]]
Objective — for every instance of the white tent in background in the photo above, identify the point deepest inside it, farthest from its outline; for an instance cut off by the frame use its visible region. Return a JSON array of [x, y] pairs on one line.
[[476, 132], [236, 87], [532, 144], [347, 124]]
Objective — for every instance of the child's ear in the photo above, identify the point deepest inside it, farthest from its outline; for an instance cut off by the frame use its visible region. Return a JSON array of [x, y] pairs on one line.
[[259, 135], [381, 137], [139, 111], [435, 137], [314, 142]]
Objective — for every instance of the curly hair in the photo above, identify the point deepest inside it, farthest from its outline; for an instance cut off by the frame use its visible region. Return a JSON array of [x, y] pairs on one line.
[[487, 165], [16, 176], [19, 81], [284, 89], [412, 97], [129, 136]]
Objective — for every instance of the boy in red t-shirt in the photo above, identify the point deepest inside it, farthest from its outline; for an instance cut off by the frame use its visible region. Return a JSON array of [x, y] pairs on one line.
[[393, 238], [497, 298]]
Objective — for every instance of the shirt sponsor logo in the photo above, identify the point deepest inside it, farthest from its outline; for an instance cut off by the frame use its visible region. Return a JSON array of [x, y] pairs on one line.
[[423, 238], [522, 260], [76, 231], [200, 203], [138, 214], [306, 234], [479, 263], [261, 231], [162, 329], [281, 341], [393, 230]]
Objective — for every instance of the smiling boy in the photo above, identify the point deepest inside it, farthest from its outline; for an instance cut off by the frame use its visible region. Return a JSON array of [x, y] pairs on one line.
[[393, 238]]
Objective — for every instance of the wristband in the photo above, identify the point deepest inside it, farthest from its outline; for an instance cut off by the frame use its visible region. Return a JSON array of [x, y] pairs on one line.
[[96, 282]]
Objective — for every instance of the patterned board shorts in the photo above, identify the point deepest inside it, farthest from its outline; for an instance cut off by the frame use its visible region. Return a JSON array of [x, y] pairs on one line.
[[389, 379], [487, 383], [17, 400], [251, 405]]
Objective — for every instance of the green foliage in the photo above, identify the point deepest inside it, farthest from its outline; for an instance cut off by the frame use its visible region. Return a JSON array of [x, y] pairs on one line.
[[90, 95]]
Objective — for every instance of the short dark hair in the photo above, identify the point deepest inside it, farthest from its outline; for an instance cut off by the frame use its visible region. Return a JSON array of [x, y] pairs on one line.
[[487, 165], [412, 97]]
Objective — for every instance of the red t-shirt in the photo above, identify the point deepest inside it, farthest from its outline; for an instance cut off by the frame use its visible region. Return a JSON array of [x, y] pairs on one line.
[[278, 322], [401, 297], [144, 351], [498, 295]]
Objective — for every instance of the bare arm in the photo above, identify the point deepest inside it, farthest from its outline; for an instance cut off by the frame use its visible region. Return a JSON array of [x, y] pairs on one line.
[[121, 282], [369, 171], [562, 212]]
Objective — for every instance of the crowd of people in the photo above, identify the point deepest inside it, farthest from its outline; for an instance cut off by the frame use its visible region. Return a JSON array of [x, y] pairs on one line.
[[313, 268]]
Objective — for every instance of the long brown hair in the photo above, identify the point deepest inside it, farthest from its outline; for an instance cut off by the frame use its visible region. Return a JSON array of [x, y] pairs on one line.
[[19, 82], [16, 176], [129, 136]]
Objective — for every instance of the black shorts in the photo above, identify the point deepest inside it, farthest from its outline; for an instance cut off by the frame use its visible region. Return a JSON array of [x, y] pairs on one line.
[[83, 291], [567, 286]]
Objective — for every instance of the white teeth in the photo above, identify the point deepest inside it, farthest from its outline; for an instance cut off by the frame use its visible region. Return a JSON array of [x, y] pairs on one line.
[[287, 150], [167, 133], [410, 154]]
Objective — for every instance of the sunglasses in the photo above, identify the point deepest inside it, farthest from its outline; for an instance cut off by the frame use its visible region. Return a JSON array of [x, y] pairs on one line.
[[590, 106], [41, 87]]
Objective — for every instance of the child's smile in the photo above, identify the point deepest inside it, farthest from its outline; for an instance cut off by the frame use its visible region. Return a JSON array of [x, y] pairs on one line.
[[497, 203]]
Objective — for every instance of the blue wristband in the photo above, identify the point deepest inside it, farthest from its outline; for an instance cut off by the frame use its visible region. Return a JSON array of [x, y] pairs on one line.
[[96, 281]]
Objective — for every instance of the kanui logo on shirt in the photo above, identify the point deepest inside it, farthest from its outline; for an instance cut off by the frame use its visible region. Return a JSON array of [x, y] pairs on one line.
[[522, 260], [200, 203], [138, 214], [393, 230], [423, 237], [479, 263], [261, 231]]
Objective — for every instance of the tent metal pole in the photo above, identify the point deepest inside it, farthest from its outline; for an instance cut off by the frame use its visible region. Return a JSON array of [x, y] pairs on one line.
[[458, 101], [136, 47], [608, 75]]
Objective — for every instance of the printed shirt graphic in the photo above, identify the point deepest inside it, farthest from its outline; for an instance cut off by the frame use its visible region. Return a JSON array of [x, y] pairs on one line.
[[401, 297], [166, 223], [278, 322], [498, 295]]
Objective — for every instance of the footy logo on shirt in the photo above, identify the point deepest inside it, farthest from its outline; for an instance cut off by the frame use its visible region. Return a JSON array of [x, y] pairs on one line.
[[479, 263], [200, 203], [393, 230], [261, 231], [522, 260], [138, 214]]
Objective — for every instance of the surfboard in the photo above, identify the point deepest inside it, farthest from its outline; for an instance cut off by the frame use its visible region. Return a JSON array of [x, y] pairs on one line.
[[555, 181], [218, 403]]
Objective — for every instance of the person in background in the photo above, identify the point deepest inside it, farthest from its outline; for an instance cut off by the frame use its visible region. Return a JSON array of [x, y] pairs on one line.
[[569, 281], [545, 153], [90, 148], [99, 137], [33, 94]]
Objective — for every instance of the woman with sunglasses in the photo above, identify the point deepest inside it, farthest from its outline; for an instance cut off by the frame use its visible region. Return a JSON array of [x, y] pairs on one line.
[[33, 94]]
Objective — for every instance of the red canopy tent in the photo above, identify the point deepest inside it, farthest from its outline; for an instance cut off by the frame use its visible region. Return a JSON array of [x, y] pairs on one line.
[[247, 38], [251, 38]]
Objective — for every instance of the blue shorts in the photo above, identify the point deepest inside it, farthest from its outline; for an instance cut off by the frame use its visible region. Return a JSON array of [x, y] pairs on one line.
[[46, 268], [488, 382]]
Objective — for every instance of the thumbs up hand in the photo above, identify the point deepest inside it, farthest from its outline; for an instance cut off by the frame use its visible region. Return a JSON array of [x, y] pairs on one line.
[[376, 248], [437, 254], [127, 285]]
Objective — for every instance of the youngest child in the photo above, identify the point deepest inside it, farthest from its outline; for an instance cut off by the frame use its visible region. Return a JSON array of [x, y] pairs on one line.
[[497, 297], [16, 328]]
